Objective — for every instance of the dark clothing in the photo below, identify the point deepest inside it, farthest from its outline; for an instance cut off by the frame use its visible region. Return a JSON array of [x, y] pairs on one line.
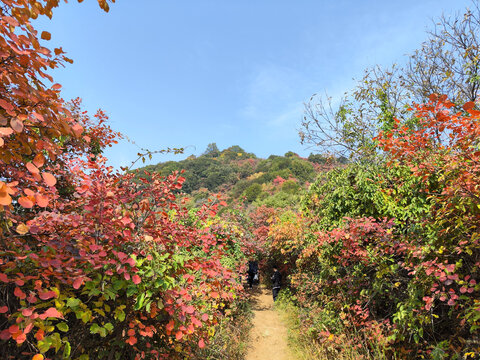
[[276, 284], [252, 270], [275, 293], [276, 279]]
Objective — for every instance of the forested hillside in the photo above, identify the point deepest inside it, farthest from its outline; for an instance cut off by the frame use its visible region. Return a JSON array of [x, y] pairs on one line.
[[242, 177]]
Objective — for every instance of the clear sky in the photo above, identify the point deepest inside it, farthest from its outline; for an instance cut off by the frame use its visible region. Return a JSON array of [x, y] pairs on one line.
[[187, 73]]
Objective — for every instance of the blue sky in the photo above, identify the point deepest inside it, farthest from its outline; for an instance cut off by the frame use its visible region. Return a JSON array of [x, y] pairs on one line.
[[188, 73]]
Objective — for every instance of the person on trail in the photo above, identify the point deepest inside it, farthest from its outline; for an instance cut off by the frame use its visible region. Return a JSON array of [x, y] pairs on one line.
[[276, 282], [252, 271]]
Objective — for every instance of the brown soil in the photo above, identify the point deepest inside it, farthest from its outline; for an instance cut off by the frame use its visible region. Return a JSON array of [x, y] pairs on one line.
[[268, 338]]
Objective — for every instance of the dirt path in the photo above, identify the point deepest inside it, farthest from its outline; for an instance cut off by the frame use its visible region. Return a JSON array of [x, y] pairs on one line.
[[269, 334]]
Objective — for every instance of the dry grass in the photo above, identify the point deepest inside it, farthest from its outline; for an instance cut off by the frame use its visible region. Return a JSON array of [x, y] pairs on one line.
[[305, 348]]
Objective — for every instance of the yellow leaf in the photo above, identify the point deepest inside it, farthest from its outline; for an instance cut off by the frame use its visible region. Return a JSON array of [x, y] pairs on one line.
[[22, 229]]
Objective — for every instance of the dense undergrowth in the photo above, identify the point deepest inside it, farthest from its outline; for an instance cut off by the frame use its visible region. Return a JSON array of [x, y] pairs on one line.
[[386, 258]]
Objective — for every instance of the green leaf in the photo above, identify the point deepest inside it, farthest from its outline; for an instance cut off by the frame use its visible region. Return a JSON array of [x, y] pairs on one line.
[[94, 328], [62, 327], [67, 350], [71, 302]]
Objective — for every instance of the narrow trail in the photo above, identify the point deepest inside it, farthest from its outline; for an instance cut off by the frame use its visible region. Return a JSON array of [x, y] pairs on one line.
[[269, 334]]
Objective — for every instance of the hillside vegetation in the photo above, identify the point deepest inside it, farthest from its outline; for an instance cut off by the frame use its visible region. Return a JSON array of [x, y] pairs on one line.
[[378, 242]]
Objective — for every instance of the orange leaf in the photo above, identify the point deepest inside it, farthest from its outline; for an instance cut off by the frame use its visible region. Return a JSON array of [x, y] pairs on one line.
[[32, 168], [49, 179], [5, 198], [5, 131], [77, 129], [46, 35], [39, 160], [20, 338], [38, 357], [25, 202], [41, 200], [40, 335], [22, 229], [468, 105], [39, 116], [179, 335]]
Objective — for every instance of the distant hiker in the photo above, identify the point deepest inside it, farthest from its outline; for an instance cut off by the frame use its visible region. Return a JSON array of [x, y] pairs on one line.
[[252, 271], [276, 282]]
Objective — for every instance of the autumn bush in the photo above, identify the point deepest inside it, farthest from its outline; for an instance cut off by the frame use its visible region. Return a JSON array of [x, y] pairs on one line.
[[94, 263]]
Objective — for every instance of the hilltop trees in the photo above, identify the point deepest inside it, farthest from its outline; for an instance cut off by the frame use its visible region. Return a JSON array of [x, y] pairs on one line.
[[446, 63]]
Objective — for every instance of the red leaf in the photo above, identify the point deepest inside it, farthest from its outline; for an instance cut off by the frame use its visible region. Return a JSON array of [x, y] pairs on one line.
[[136, 279], [189, 309], [47, 295], [201, 344], [77, 283], [27, 312], [51, 312], [170, 325], [179, 335], [19, 293], [131, 340], [5, 335], [14, 329], [468, 105], [3, 309], [6, 105]]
